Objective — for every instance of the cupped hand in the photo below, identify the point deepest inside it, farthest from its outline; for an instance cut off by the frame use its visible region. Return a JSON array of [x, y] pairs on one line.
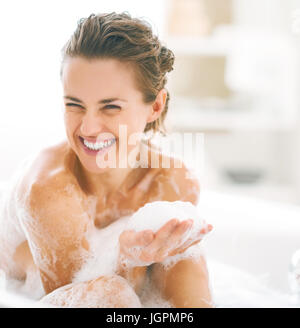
[[146, 247]]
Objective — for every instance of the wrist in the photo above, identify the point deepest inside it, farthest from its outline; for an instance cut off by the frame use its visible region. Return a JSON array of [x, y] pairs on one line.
[[135, 275], [123, 265]]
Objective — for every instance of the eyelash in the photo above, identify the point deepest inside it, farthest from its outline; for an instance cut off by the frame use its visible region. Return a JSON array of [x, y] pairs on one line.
[[110, 106]]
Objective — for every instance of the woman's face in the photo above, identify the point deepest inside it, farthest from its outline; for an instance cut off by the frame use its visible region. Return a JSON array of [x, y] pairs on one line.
[[99, 96]]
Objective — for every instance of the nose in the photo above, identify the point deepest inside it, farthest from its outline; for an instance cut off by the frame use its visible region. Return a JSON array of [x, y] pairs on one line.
[[90, 125]]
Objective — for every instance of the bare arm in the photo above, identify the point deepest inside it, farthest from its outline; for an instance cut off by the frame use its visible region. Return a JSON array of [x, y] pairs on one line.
[[55, 227], [186, 284], [135, 276]]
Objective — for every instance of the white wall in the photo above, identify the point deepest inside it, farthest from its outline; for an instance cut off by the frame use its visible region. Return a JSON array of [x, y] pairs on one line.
[[270, 14]]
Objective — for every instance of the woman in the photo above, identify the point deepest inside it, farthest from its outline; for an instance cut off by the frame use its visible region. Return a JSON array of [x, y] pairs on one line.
[[113, 74]]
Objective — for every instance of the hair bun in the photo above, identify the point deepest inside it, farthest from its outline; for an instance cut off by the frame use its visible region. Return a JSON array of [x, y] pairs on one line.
[[166, 59]]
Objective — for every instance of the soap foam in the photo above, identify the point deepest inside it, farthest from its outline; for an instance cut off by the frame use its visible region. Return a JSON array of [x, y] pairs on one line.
[[105, 292], [231, 287], [103, 252], [11, 232], [151, 297], [101, 260], [154, 215], [104, 244]]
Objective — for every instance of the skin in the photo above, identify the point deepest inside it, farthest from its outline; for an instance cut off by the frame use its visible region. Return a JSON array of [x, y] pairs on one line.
[[60, 218]]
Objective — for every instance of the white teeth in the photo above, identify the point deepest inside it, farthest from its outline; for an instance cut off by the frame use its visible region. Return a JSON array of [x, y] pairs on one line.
[[98, 145]]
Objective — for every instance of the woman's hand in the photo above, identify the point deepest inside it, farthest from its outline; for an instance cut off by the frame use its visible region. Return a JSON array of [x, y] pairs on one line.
[[146, 247]]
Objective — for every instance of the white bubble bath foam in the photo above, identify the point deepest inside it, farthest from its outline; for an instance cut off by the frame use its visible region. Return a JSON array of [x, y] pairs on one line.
[[230, 286], [104, 244]]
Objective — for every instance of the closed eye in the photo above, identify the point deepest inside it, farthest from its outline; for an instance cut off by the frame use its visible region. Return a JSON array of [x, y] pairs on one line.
[[112, 106], [107, 106], [71, 104]]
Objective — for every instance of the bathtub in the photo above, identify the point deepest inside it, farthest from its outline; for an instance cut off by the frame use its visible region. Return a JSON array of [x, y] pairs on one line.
[[253, 242], [255, 235], [248, 251]]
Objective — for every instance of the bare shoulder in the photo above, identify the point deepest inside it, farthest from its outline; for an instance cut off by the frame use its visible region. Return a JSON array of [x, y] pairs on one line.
[[35, 203], [174, 181], [49, 162], [49, 166], [49, 185], [39, 174], [57, 217]]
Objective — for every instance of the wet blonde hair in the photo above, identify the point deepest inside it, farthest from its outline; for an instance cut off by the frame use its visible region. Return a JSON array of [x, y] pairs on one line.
[[130, 40]]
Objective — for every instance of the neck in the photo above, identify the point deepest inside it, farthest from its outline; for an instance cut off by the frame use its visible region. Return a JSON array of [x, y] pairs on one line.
[[104, 183], [108, 182]]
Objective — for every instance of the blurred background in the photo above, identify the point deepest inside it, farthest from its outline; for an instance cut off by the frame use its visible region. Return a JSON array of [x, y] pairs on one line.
[[236, 79]]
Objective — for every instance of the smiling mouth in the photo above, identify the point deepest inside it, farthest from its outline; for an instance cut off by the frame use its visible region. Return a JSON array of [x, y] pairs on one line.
[[97, 146]]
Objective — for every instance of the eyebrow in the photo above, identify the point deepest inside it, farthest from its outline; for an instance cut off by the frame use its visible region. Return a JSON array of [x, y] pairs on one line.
[[102, 101]]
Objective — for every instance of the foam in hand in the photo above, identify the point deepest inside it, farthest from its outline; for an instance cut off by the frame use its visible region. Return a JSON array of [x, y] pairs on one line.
[[156, 214], [104, 243]]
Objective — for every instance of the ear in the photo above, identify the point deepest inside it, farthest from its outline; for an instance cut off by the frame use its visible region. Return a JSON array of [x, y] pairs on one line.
[[158, 106]]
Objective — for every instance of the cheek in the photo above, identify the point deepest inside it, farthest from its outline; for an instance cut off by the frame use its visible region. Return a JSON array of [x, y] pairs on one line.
[[71, 121], [71, 124], [137, 121]]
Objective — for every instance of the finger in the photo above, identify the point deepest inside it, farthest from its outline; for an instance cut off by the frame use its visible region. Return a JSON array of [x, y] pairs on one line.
[[206, 229], [199, 236], [160, 237], [169, 226], [163, 233], [185, 246], [181, 231], [175, 238], [192, 241]]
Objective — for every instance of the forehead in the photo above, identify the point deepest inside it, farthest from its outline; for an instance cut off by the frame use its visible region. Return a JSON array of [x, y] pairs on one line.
[[81, 77]]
